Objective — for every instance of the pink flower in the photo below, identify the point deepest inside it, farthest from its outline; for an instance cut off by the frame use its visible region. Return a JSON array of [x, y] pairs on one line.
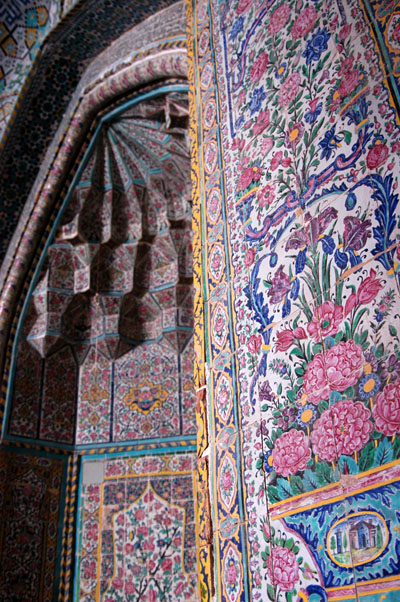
[[243, 6], [267, 144], [249, 257], [344, 32], [326, 320], [349, 83], [261, 123], [254, 344], [369, 288], [350, 304], [226, 479], [289, 89], [386, 411], [377, 156], [342, 429], [341, 368], [346, 65], [259, 67], [286, 337], [291, 452], [246, 178], [283, 568], [278, 18], [166, 564], [304, 22], [266, 195], [276, 159], [231, 573]]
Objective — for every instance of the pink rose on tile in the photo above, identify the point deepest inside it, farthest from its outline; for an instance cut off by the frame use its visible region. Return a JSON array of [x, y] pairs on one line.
[[342, 429], [261, 123], [344, 365], [285, 338], [278, 18], [344, 32], [254, 344], [326, 320], [275, 161], [386, 411], [289, 89], [249, 257], [266, 195], [283, 568], [258, 68], [349, 83], [291, 452], [304, 22], [316, 385], [243, 6], [377, 156]]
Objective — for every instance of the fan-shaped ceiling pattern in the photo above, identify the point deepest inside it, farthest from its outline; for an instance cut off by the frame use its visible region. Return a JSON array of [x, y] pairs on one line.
[[118, 273], [120, 270]]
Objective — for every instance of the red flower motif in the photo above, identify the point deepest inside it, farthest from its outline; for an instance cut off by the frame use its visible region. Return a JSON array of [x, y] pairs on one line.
[[249, 257], [341, 367], [278, 18], [344, 32], [261, 123], [246, 178], [276, 159], [304, 22], [386, 411], [291, 452], [377, 156], [286, 337], [283, 568], [258, 68], [243, 6], [369, 288], [342, 429], [326, 320], [349, 83], [254, 344], [266, 195], [289, 89]]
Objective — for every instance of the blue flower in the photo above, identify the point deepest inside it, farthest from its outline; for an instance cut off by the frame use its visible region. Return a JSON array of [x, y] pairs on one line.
[[316, 46], [268, 461], [236, 29], [312, 115], [281, 70], [239, 122], [330, 143], [369, 386], [258, 96], [306, 415]]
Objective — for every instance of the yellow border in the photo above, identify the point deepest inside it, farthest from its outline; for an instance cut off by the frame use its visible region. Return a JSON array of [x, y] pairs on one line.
[[362, 513]]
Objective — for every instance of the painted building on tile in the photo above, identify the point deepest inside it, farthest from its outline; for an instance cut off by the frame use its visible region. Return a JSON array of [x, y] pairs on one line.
[[200, 312]]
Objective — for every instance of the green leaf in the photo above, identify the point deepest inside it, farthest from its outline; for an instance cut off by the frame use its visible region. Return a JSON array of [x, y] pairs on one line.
[[348, 461], [273, 494], [289, 543], [392, 330], [347, 136], [284, 488], [366, 460], [384, 453], [271, 592], [296, 484], [379, 351], [396, 447], [291, 395], [324, 473], [310, 480], [267, 284], [299, 371], [323, 405], [279, 390], [339, 336]]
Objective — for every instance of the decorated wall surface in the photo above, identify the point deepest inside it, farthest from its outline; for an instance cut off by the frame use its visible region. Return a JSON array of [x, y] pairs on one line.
[[295, 157], [138, 512]]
